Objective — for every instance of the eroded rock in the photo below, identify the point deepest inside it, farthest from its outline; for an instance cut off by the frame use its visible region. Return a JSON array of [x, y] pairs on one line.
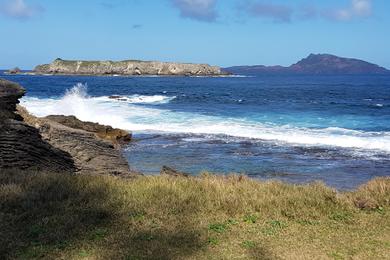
[[58, 143], [93, 147], [117, 136], [21, 145], [127, 67]]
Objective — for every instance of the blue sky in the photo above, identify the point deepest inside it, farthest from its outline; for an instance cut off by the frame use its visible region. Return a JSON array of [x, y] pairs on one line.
[[219, 32]]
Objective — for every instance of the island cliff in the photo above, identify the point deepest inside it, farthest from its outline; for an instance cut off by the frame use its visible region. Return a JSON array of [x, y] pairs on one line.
[[128, 67], [314, 64]]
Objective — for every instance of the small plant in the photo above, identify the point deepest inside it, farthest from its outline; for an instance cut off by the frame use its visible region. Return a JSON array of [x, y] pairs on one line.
[[307, 222], [84, 253], [213, 241], [269, 231], [274, 227], [232, 221], [146, 237], [340, 216], [251, 219], [219, 227], [336, 256], [277, 224], [137, 216], [380, 210], [98, 234], [248, 244]]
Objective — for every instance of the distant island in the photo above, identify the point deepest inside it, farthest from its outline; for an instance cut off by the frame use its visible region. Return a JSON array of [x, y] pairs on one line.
[[318, 64], [127, 67]]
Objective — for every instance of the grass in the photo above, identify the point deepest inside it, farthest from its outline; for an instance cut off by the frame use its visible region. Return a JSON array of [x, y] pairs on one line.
[[53, 216]]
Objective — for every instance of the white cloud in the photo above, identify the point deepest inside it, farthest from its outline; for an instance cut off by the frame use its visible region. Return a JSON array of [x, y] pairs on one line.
[[201, 10], [287, 12], [277, 12], [356, 9], [19, 9]]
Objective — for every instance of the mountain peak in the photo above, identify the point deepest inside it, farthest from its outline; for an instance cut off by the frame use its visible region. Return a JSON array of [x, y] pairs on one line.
[[324, 64], [331, 64]]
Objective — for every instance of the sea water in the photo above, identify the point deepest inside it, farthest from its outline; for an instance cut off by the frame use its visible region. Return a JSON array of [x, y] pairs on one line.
[[298, 129]]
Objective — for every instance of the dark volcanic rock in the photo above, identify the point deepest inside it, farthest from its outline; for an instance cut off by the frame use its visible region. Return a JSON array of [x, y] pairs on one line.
[[318, 64], [21, 146]]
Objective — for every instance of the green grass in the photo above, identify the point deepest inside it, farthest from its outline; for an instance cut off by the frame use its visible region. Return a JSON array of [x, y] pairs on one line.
[[53, 216]]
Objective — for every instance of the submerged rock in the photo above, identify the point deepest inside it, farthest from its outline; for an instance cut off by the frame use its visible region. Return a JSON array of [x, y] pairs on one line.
[[165, 170], [15, 70], [127, 67]]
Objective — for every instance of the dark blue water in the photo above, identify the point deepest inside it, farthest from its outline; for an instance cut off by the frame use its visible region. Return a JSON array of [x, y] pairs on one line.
[[295, 128]]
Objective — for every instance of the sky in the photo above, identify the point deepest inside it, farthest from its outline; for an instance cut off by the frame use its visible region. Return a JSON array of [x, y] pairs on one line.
[[218, 32]]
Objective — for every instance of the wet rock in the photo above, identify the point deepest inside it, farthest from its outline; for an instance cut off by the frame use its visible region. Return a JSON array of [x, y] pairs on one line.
[[165, 170], [15, 70], [115, 97]]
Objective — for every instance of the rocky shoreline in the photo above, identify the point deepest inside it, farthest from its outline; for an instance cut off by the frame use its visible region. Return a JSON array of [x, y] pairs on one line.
[[56, 143], [127, 67]]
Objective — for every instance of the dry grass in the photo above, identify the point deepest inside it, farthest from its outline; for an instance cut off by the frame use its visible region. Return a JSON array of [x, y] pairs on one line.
[[54, 216]]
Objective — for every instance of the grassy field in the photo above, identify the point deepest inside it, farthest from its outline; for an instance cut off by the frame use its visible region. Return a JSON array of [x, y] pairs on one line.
[[53, 216]]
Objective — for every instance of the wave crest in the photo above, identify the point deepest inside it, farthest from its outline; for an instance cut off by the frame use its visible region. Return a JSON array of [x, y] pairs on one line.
[[127, 114]]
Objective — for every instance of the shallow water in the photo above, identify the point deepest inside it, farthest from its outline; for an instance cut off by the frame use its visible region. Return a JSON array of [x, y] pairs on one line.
[[295, 128]]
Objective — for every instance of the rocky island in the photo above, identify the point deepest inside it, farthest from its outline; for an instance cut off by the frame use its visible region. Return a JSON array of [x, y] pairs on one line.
[[127, 67], [314, 64]]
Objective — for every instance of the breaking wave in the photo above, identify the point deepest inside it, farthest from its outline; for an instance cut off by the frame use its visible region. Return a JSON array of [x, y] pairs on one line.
[[127, 113]]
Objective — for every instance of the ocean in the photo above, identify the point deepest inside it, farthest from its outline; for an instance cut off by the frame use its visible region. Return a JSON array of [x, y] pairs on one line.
[[298, 129]]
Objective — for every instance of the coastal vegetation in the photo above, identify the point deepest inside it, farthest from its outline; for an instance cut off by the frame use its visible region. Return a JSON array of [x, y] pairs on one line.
[[65, 216], [127, 67]]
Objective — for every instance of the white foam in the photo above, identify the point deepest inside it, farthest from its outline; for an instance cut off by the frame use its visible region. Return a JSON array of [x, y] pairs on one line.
[[128, 115], [139, 99]]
